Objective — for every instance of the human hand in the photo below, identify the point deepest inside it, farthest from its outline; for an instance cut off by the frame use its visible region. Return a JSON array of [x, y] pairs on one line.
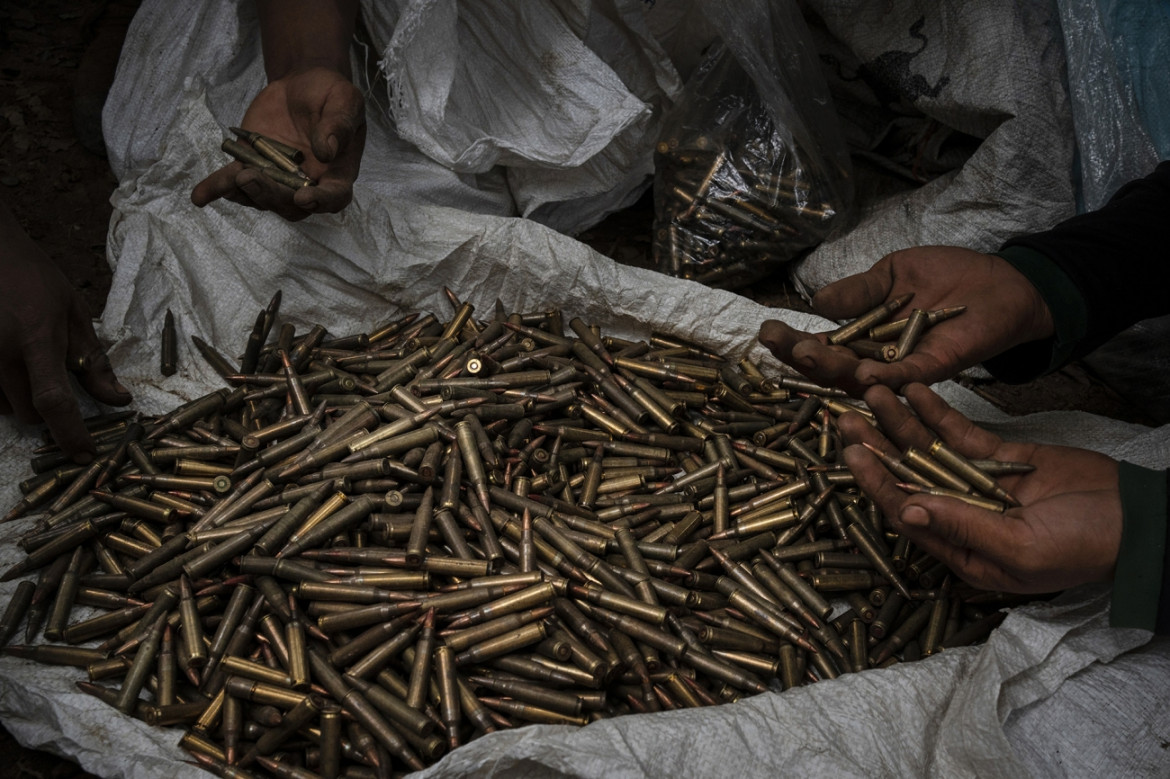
[[1066, 531], [1003, 310], [318, 111], [44, 327]]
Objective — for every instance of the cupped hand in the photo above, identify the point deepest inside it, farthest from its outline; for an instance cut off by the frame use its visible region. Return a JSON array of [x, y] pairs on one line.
[[1066, 531], [318, 111], [44, 327], [1003, 310]]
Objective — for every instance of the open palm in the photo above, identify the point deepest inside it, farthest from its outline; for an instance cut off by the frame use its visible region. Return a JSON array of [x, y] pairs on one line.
[[1003, 310], [318, 111], [1066, 531]]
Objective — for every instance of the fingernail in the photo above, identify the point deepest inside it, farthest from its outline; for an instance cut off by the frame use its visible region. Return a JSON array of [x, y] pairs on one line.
[[121, 388], [806, 362], [915, 516], [310, 205]]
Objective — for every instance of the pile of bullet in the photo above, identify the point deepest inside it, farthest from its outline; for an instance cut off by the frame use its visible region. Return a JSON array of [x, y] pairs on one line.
[[278, 161], [734, 197], [872, 337], [374, 548]]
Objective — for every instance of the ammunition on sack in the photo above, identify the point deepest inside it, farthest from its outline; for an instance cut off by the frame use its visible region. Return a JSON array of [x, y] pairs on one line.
[[170, 346], [16, 610], [564, 530]]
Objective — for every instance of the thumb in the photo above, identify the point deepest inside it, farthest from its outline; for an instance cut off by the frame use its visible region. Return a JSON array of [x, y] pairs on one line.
[[959, 524], [922, 366], [854, 295], [342, 115], [97, 376]]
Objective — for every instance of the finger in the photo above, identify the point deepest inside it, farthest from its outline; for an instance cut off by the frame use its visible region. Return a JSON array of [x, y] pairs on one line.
[[854, 295], [970, 566], [334, 188], [977, 544], [955, 429], [239, 198], [98, 377], [268, 195], [874, 480], [342, 116], [51, 397], [921, 366], [898, 422], [779, 338], [14, 386], [857, 429], [829, 366], [960, 524], [330, 195], [221, 183]]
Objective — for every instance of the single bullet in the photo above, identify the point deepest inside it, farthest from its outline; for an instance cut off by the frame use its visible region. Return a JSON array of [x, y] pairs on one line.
[[846, 333], [17, 607], [143, 664], [170, 346]]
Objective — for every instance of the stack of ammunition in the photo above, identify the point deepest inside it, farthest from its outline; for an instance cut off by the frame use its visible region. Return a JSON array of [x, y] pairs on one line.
[[278, 161], [374, 548], [871, 336]]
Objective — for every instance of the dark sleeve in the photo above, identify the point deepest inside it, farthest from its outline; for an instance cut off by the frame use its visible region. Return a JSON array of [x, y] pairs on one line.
[[1099, 272], [1141, 580]]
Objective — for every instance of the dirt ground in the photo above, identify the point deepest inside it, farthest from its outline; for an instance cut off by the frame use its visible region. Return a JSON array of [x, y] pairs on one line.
[[60, 194]]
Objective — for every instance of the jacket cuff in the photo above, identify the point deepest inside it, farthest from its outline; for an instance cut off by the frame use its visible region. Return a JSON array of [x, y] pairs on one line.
[[1141, 562], [1069, 316]]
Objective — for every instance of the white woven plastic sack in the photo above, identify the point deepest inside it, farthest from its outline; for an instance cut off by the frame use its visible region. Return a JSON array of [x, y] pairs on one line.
[[566, 96], [1115, 146], [1054, 691], [992, 71], [1121, 105]]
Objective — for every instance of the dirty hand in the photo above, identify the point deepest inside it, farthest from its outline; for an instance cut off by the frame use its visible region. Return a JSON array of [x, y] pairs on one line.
[[1066, 532], [44, 326], [1003, 310], [318, 111]]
